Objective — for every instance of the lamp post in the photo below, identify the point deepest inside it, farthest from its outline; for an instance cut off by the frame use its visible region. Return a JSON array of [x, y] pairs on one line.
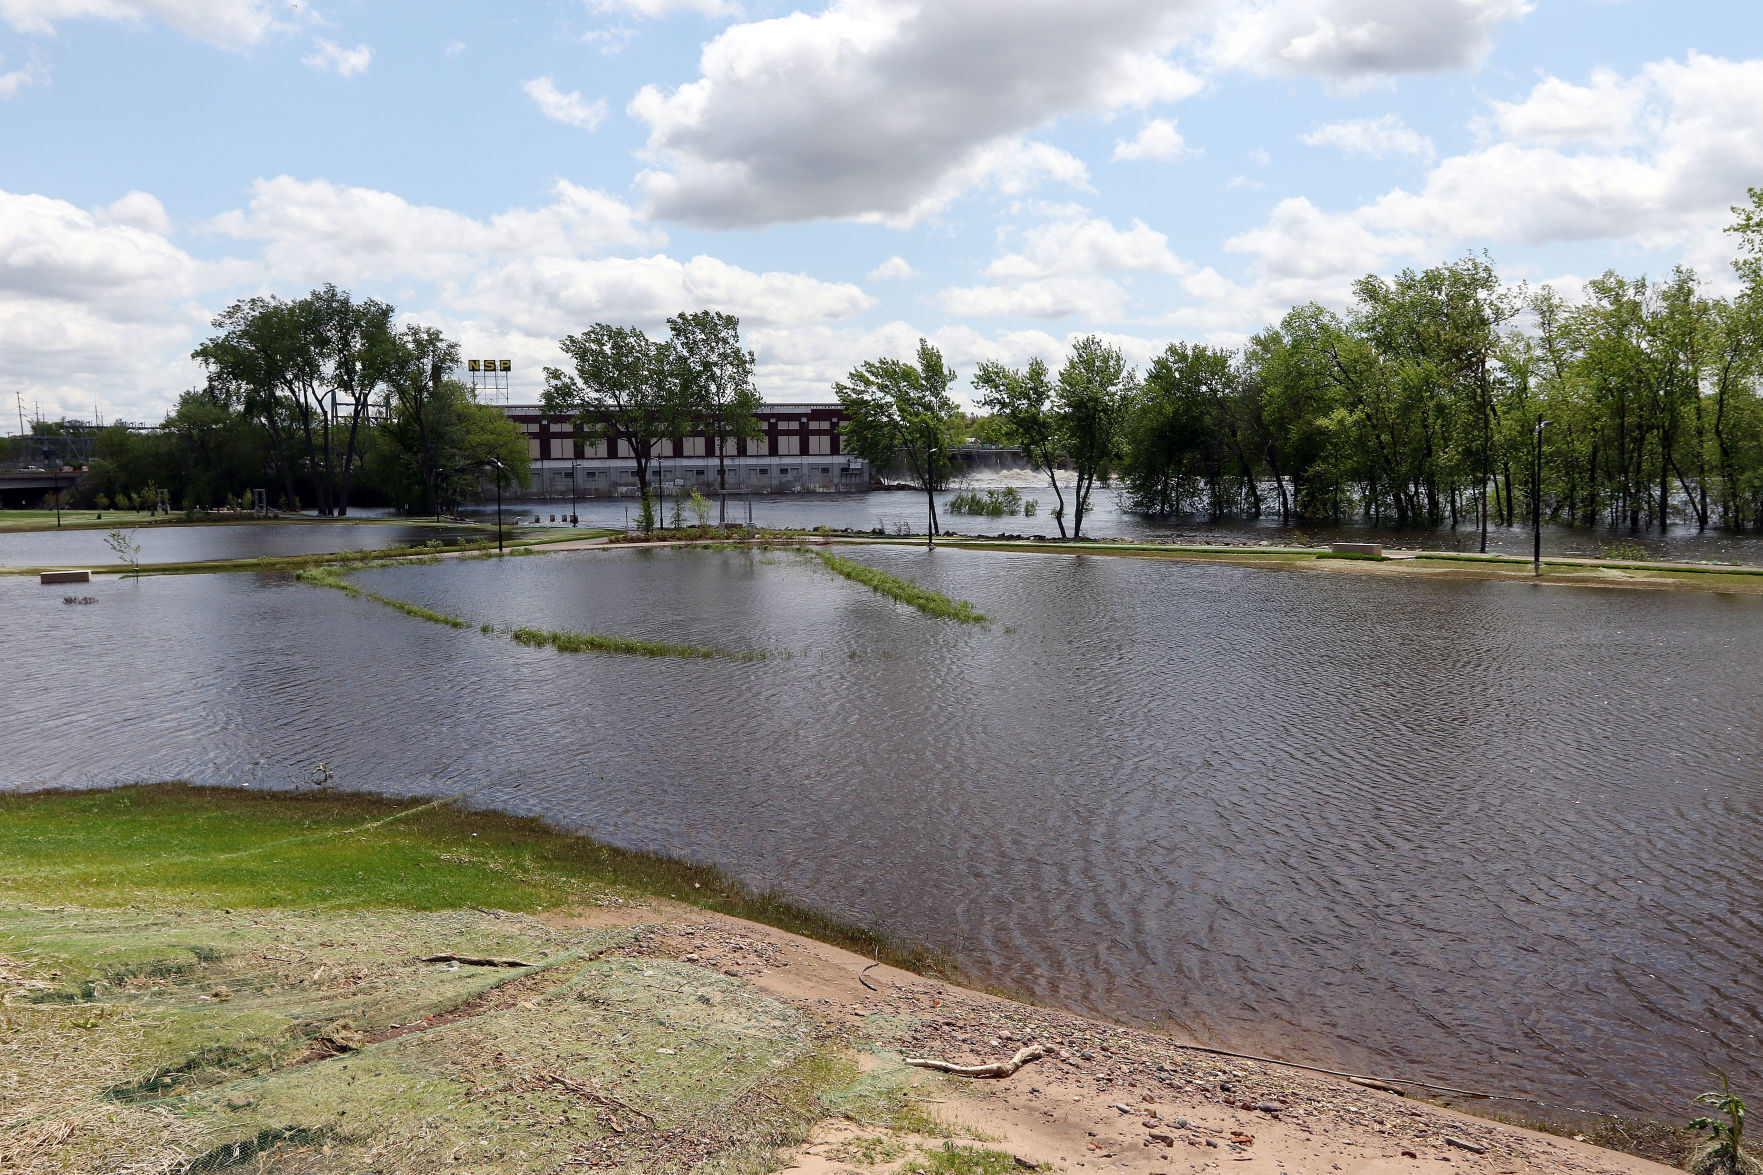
[[574, 488], [1536, 502], [498, 465], [930, 509]]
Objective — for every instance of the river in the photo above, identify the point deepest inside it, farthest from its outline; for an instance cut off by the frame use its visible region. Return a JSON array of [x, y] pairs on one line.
[[1499, 835]]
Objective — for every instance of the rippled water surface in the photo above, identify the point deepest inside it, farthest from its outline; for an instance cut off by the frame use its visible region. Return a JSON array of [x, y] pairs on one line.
[[1497, 835], [202, 543]]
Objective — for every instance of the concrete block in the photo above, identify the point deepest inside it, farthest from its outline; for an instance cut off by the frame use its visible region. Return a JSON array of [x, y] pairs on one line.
[[65, 577], [1357, 549]]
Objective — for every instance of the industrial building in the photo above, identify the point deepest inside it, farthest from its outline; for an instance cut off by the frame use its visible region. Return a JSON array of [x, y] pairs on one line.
[[798, 450]]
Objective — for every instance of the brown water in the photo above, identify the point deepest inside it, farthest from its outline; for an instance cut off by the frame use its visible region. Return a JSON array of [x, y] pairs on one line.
[[1497, 835]]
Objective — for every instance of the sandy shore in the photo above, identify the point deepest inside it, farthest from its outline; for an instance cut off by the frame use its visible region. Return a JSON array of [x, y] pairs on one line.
[[1110, 1099]]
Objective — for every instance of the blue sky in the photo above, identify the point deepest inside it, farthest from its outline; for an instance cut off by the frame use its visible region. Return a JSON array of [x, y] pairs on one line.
[[998, 175]]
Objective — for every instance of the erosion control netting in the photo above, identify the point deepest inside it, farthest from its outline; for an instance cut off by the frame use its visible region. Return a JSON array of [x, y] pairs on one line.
[[279, 1041]]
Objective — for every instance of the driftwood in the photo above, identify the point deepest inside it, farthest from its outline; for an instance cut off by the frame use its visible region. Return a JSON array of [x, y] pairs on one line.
[[604, 1100], [1373, 1083], [467, 961], [995, 1069], [865, 982]]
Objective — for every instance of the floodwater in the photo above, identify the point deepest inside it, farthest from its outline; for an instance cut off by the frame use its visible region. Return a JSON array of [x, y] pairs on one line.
[[209, 541], [1501, 836], [896, 511]]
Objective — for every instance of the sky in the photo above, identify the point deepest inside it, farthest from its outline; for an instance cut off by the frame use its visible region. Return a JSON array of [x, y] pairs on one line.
[[999, 176]]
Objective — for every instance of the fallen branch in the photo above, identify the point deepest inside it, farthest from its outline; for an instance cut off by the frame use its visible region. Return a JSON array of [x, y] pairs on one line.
[[865, 982], [995, 1069], [604, 1100], [467, 961]]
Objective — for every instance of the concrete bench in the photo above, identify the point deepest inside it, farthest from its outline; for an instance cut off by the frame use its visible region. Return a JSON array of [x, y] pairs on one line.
[[1373, 549], [65, 577]]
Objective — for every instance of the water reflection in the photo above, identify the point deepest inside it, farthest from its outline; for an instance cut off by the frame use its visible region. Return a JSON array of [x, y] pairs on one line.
[[1500, 835]]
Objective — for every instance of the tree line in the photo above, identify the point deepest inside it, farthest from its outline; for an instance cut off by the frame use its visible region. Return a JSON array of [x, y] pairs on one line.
[[1427, 402], [321, 401]]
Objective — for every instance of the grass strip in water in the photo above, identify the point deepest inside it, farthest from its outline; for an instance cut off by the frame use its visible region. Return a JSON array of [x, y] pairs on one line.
[[563, 642], [331, 578], [593, 642], [904, 590]]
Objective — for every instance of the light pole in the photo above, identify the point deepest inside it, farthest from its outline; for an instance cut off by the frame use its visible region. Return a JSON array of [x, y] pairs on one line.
[[498, 465], [574, 488], [930, 499], [1536, 502]]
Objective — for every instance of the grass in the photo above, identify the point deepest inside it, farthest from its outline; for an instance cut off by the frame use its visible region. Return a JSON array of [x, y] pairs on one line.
[[331, 578], [904, 590], [953, 1159], [202, 847], [589, 642], [211, 978]]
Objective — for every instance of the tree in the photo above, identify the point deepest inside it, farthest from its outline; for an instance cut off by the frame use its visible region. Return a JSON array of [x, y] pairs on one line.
[[1022, 404], [717, 384], [899, 409], [418, 411], [292, 366], [624, 389], [1095, 389]]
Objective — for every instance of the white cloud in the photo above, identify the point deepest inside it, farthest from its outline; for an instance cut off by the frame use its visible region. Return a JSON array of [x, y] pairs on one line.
[[554, 295], [51, 249], [312, 228], [889, 109], [611, 40], [1663, 179], [1075, 243], [1607, 111], [34, 73], [327, 55], [570, 109], [1375, 137], [656, 9], [893, 267], [1088, 296], [228, 23], [1060, 269], [1157, 139], [1350, 42], [136, 209], [90, 306]]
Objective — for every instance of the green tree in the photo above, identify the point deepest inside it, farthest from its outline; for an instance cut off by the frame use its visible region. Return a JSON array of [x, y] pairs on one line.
[[1095, 392], [1022, 404], [623, 388], [902, 410], [716, 375]]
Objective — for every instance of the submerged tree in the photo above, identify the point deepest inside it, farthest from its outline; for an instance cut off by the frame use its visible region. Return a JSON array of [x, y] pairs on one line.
[[902, 410], [717, 385], [624, 389], [1022, 403], [1095, 390]]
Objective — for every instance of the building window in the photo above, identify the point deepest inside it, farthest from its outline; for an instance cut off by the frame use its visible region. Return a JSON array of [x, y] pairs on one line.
[[789, 446], [820, 445]]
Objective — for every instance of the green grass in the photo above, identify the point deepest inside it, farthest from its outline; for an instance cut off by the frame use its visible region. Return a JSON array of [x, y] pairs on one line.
[[180, 845], [590, 642], [331, 578], [904, 590], [952, 1159]]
